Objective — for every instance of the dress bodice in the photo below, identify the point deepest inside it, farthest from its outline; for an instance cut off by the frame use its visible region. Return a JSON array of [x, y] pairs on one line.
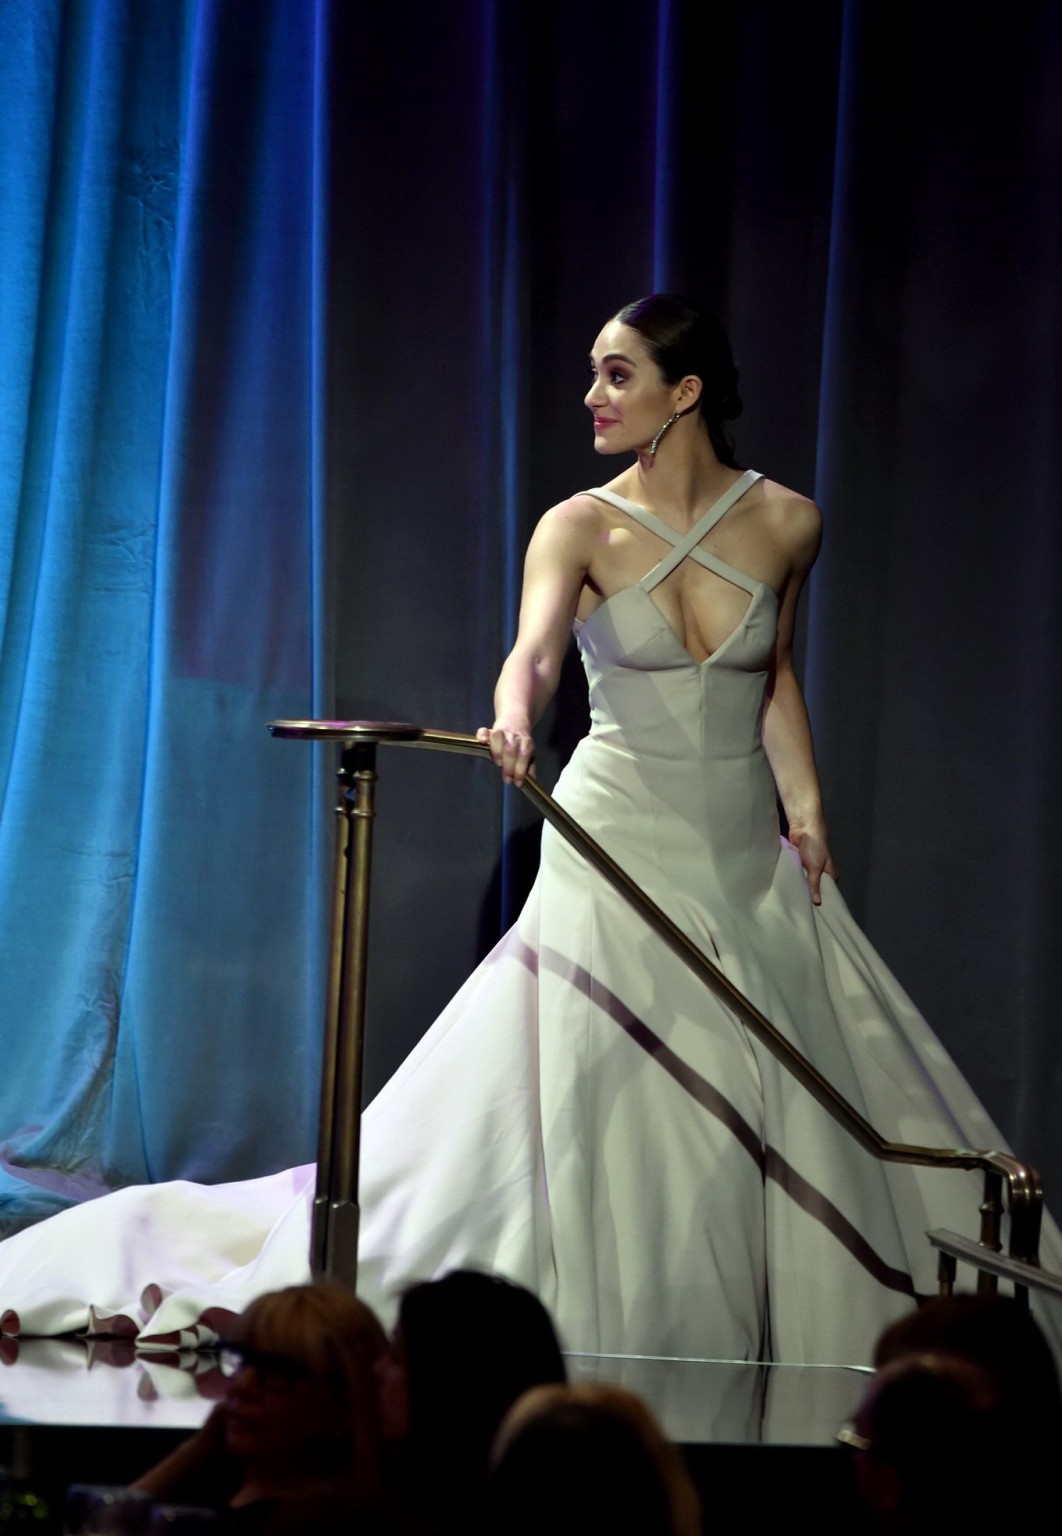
[[674, 743], [643, 681], [641, 677]]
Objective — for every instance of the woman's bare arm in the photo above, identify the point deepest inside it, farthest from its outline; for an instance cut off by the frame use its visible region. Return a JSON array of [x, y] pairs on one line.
[[199, 1469], [555, 568], [786, 728]]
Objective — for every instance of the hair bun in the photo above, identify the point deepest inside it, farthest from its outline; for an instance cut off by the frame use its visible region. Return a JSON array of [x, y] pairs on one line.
[[682, 337]]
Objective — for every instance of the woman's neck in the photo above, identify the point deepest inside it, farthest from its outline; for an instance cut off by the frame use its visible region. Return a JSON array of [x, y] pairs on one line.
[[683, 478]]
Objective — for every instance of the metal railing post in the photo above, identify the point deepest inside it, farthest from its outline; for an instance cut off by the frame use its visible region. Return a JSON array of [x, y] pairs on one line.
[[329, 1042], [341, 1254], [991, 1209]]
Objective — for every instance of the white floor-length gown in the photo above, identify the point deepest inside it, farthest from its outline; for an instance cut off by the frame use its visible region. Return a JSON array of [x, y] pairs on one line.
[[585, 1117]]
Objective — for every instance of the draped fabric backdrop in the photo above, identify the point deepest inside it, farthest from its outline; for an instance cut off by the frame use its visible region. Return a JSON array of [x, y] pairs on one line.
[[294, 313]]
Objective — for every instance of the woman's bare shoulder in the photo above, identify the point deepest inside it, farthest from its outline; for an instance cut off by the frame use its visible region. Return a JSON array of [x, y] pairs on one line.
[[794, 521], [573, 520], [582, 509]]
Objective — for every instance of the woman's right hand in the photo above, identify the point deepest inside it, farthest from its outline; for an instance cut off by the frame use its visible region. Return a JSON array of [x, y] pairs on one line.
[[512, 748]]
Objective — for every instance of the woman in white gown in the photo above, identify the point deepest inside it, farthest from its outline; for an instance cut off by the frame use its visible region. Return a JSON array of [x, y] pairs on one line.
[[584, 1117]]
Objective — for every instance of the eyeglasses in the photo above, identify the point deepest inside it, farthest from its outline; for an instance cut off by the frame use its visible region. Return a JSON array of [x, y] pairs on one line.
[[271, 1369]]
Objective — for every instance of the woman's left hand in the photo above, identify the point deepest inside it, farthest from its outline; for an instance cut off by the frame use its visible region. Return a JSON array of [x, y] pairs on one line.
[[815, 856]]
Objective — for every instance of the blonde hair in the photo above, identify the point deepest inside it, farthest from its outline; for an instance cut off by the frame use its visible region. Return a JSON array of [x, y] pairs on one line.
[[326, 1329]]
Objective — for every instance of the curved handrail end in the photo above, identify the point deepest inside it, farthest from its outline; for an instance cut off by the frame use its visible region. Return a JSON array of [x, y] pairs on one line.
[[350, 731]]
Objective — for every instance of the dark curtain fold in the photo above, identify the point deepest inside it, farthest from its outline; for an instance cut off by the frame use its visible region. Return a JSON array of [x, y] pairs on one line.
[[296, 305]]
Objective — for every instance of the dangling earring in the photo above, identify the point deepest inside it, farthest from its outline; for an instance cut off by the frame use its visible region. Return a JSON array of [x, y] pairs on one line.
[[655, 444]]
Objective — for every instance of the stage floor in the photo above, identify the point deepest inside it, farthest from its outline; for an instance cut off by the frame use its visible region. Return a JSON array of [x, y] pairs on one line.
[[698, 1402]]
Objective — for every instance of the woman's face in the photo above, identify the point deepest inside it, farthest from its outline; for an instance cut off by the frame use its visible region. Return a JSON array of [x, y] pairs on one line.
[[628, 397], [278, 1412]]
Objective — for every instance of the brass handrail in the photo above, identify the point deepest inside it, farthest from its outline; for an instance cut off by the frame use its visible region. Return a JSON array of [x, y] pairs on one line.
[[1024, 1191]]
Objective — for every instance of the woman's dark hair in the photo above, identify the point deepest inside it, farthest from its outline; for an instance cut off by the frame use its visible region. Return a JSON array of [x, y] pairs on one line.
[[996, 1334], [682, 337], [933, 1421], [473, 1343]]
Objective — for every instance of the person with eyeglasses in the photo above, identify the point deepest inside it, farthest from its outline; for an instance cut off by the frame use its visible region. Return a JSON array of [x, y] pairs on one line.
[[295, 1445]]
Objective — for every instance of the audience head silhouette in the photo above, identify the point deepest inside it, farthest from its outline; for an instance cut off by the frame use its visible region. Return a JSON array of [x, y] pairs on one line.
[[966, 1387], [465, 1348], [998, 1335], [585, 1458], [927, 1435]]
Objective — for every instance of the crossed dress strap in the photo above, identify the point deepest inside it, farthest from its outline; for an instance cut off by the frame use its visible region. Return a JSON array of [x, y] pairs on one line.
[[686, 545]]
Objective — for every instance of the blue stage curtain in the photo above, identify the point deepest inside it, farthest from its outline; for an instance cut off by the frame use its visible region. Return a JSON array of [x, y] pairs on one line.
[[295, 305], [160, 547]]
